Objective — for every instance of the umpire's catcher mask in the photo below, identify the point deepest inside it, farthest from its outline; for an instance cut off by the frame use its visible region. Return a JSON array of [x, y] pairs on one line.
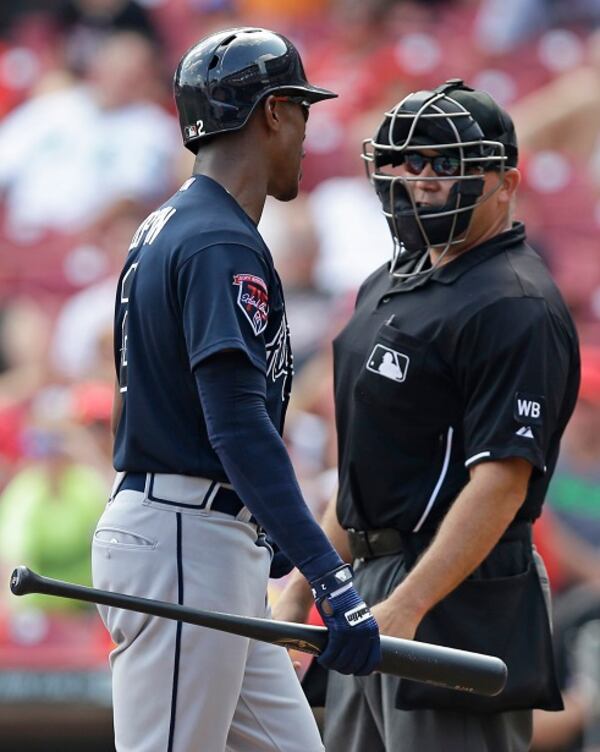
[[220, 80], [470, 134]]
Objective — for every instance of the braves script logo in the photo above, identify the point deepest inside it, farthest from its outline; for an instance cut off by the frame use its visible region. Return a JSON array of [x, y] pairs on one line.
[[279, 356], [253, 299]]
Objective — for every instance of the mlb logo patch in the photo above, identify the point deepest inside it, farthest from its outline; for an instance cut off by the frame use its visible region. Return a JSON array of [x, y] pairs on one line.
[[389, 363], [194, 129], [253, 299]]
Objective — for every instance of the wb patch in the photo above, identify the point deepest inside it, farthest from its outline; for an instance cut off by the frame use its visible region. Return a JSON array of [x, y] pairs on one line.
[[389, 363], [529, 408], [253, 299]]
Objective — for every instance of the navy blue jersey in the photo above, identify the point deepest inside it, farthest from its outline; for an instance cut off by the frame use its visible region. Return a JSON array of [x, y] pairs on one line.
[[198, 279]]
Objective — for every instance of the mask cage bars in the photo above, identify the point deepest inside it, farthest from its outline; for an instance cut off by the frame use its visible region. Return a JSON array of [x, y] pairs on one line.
[[370, 147]]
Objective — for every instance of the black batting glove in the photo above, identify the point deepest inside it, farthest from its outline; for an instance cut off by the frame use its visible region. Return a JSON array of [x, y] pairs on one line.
[[353, 643]]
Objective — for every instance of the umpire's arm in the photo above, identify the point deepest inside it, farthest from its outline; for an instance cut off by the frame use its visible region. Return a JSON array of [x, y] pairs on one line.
[[473, 525]]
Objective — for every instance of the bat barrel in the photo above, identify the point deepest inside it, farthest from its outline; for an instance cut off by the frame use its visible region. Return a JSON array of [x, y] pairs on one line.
[[447, 667]]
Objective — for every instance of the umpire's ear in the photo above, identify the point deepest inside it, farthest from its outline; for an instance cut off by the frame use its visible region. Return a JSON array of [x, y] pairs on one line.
[[510, 183]]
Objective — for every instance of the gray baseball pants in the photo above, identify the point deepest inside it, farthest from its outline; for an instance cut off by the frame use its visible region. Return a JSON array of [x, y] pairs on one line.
[[361, 713], [178, 687]]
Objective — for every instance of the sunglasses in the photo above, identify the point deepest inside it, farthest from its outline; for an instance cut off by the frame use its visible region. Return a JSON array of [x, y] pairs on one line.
[[442, 164], [300, 101]]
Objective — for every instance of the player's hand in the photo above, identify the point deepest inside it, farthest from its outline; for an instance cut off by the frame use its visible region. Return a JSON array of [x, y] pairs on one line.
[[353, 644]]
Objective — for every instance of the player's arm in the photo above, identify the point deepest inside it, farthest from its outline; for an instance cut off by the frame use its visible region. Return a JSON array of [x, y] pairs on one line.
[[233, 397], [474, 524], [229, 357], [296, 599]]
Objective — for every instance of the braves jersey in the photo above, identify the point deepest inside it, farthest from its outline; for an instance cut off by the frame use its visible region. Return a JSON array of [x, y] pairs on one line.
[[198, 280], [477, 361]]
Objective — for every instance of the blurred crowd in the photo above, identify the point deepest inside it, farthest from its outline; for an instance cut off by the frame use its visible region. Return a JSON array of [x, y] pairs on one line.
[[89, 143]]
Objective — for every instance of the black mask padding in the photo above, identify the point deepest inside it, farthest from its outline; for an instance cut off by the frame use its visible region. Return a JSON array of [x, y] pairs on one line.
[[463, 195], [430, 132]]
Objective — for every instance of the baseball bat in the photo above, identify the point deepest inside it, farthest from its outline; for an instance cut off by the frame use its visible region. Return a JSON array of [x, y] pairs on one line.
[[420, 661]]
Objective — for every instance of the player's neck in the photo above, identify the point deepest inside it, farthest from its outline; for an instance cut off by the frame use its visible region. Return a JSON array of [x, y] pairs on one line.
[[242, 179]]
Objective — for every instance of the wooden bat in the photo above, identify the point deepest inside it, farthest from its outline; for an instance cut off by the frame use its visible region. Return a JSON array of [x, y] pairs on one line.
[[419, 661]]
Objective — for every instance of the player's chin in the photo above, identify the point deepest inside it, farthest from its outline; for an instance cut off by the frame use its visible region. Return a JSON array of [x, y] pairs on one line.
[[287, 192]]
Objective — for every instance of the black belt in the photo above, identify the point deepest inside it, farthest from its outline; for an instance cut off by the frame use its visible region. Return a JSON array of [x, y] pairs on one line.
[[387, 541], [369, 544], [225, 500]]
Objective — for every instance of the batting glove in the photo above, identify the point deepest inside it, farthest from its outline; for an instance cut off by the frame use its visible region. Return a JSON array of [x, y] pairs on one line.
[[353, 643]]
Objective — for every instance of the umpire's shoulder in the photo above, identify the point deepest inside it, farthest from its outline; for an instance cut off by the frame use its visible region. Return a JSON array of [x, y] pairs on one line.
[[374, 279], [534, 280]]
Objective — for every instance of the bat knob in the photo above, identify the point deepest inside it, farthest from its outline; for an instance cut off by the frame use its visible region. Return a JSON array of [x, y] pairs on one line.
[[18, 580]]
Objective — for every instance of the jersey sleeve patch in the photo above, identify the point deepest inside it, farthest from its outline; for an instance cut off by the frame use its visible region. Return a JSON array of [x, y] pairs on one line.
[[528, 409], [253, 300]]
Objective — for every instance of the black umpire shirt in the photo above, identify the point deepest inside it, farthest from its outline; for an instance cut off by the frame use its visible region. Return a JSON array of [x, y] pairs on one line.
[[477, 361]]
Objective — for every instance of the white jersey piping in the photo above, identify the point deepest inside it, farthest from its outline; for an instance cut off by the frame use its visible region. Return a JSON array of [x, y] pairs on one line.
[[477, 457], [440, 481]]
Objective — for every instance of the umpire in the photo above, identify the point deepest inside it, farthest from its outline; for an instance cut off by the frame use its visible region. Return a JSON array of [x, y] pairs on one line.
[[454, 381]]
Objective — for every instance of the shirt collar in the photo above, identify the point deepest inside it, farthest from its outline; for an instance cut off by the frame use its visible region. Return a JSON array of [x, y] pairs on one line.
[[450, 272]]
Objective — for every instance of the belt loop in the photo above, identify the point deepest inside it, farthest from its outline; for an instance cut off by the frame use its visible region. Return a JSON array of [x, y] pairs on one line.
[[362, 536], [211, 495], [365, 537], [119, 478], [244, 515]]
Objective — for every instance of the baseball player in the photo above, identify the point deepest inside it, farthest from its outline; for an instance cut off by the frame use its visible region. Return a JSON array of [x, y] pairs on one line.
[[205, 504], [454, 381]]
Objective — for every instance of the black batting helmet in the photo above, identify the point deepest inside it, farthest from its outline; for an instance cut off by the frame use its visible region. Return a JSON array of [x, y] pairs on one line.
[[220, 80]]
